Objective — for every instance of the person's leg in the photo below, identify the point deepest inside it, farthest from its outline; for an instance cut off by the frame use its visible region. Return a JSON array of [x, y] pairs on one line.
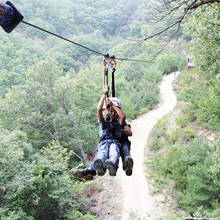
[[127, 160], [97, 164], [113, 161], [93, 161], [87, 173], [100, 158], [128, 165], [125, 151]]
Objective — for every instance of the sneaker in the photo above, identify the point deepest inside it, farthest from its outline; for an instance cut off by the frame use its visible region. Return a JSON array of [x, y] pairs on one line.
[[128, 165], [111, 167], [87, 173], [99, 167]]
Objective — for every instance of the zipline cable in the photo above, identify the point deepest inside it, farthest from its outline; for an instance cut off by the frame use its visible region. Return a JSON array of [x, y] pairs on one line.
[[63, 38], [87, 48], [125, 59]]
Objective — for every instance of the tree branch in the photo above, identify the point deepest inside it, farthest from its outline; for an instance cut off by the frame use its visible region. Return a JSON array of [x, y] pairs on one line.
[[197, 4], [158, 33], [211, 22]]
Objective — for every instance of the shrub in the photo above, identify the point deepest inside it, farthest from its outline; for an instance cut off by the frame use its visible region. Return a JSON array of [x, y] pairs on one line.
[[74, 214], [171, 62], [181, 120], [35, 186], [175, 136], [201, 189], [156, 144], [188, 132]]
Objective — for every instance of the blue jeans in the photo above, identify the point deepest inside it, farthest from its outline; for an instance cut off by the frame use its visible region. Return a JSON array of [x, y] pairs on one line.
[[125, 151], [107, 149]]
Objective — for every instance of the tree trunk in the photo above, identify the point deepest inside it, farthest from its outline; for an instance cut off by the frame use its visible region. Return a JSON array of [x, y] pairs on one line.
[[84, 156]]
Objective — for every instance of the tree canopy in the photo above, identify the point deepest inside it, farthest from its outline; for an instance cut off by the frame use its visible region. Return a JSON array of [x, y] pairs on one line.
[[50, 90]]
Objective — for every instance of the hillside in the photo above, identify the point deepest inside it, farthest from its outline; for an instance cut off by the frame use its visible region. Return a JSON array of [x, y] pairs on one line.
[[188, 148], [50, 89]]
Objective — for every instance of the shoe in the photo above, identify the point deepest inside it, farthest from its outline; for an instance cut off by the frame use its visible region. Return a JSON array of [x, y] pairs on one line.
[[111, 167], [87, 173], [128, 165], [98, 164]]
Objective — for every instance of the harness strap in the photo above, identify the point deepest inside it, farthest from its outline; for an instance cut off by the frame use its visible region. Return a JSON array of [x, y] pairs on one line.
[[109, 61]]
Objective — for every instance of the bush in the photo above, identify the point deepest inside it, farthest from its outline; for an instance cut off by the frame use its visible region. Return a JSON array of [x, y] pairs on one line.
[[188, 132], [35, 186], [181, 120], [73, 215], [171, 62], [201, 189], [175, 136], [43, 188]]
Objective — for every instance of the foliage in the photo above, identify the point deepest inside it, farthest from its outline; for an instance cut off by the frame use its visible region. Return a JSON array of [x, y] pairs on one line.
[[43, 107], [182, 120], [35, 186], [50, 91], [189, 132], [16, 56], [201, 190], [205, 39], [171, 62], [202, 89], [187, 158], [203, 97], [188, 166], [78, 215]]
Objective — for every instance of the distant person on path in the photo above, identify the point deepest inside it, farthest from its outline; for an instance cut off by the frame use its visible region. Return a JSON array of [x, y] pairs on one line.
[[189, 65], [188, 59], [113, 132]]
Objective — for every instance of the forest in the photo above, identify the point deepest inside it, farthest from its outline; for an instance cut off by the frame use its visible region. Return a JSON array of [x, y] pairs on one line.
[[50, 88]]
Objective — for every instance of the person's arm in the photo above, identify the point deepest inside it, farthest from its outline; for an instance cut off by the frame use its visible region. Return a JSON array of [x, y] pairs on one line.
[[120, 113], [101, 102], [127, 130]]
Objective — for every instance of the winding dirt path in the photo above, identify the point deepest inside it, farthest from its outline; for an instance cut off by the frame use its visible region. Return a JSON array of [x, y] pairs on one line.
[[135, 190]]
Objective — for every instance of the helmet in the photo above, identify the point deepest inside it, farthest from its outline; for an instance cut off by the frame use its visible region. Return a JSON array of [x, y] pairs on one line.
[[116, 102]]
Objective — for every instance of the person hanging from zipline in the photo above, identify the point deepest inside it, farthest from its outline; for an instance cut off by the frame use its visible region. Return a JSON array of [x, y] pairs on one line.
[[125, 148], [113, 130], [126, 129]]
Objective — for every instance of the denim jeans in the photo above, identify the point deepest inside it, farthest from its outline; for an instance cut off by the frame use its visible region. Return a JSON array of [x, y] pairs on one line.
[[125, 151], [107, 149]]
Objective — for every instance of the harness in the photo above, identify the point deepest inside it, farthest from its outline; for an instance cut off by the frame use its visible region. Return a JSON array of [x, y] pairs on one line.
[[109, 61], [110, 130]]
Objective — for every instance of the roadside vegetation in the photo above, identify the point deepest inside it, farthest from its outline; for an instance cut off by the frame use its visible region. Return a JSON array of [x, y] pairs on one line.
[[185, 145], [50, 89]]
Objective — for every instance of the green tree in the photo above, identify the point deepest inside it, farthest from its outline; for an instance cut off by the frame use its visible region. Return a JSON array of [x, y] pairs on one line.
[[205, 39], [34, 186], [44, 108], [202, 190]]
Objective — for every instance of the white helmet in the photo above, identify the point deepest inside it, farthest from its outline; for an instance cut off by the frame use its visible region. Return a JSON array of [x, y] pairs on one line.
[[116, 102]]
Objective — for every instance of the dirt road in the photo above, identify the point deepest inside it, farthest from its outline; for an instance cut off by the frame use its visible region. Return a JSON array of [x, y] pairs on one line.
[[135, 190]]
